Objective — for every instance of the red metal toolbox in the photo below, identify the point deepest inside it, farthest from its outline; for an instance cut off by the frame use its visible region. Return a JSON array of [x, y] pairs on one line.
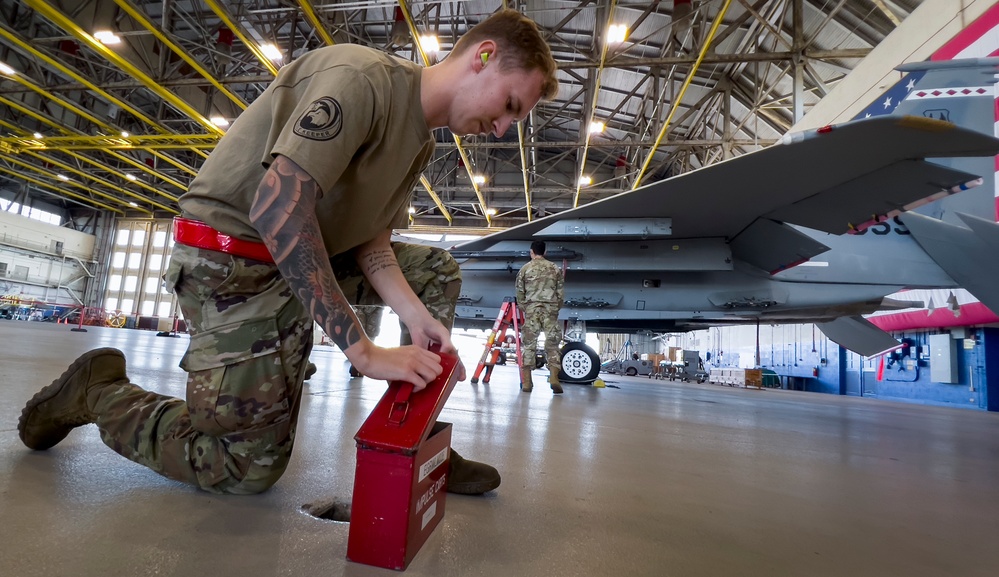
[[403, 455]]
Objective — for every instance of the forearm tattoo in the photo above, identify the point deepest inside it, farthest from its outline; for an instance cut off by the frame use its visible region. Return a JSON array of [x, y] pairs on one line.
[[284, 213], [379, 260]]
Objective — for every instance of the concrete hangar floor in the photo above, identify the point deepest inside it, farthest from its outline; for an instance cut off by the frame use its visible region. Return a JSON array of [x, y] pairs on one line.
[[644, 477]]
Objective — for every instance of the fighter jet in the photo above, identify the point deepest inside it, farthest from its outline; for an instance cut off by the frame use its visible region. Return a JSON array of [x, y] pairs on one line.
[[819, 228]]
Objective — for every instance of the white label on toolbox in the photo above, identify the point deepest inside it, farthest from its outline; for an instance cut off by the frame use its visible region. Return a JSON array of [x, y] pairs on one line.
[[433, 463], [429, 515], [426, 497]]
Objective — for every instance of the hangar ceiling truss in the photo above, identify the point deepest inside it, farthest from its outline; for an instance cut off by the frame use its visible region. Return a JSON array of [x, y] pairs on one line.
[[91, 126]]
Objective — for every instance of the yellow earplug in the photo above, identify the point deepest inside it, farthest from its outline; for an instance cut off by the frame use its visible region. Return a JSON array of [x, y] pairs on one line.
[[485, 57]]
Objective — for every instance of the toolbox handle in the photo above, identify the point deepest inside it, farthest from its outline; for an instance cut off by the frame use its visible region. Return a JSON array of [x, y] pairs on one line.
[[400, 406]]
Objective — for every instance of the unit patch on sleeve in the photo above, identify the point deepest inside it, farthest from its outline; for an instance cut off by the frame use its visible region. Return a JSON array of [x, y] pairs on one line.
[[322, 121]]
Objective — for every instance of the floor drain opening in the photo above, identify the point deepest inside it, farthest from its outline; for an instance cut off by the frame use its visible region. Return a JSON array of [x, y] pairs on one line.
[[329, 511]]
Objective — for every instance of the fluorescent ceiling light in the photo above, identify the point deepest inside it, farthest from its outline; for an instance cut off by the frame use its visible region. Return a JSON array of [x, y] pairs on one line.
[[130, 177], [585, 181], [62, 177], [412, 210], [617, 33], [219, 121], [429, 43], [491, 211], [596, 126], [271, 51], [7, 70], [132, 204], [479, 179], [39, 135], [106, 37]]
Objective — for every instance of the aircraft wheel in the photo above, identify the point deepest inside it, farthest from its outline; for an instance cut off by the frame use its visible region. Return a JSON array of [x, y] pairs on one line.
[[579, 364], [115, 319], [631, 372]]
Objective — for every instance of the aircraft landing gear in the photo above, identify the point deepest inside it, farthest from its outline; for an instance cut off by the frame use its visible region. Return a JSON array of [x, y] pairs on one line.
[[580, 364]]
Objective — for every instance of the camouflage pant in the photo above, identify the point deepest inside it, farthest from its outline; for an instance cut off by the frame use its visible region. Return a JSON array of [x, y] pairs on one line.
[[250, 344], [542, 317], [371, 319]]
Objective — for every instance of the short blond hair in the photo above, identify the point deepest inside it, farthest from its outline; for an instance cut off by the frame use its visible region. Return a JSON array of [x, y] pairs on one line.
[[520, 46]]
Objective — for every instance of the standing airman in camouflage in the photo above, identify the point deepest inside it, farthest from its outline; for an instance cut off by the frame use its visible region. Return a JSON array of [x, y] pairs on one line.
[[540, 292]]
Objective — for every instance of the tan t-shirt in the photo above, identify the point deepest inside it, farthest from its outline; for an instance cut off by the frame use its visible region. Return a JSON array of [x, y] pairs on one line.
[[351, 117]]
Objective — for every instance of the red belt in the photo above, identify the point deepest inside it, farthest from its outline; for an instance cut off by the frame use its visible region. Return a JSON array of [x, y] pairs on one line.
[[200, 235]]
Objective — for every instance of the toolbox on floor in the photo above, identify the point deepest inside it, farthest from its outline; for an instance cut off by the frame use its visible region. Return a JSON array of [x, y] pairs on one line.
[[403, 455]]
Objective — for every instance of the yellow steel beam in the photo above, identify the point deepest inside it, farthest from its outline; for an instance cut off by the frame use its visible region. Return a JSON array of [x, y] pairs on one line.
[[584, 123], [54, 176], [60, 191], [86, 175], [83, 113], [140, 17], [686, 82], [83, 142], [44, 120], [61, 20], [125, 106], [98, 165], [435, 198], [523, 166], [223, 15], [310, 14], [457, 139]]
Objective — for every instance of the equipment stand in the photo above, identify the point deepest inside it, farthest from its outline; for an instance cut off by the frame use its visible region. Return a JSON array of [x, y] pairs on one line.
[[510, 317]]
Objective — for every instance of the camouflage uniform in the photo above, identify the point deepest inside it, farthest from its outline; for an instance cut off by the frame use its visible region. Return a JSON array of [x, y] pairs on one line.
[[250, 344], [371, 319], [540, 292]]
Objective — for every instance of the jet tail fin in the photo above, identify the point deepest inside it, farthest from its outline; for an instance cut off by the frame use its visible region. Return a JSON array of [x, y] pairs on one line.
[[958, 91], [963, 253], [859, 335]]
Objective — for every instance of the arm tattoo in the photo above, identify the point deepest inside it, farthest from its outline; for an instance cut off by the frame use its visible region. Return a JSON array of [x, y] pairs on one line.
[[284, 213], [379, 260]]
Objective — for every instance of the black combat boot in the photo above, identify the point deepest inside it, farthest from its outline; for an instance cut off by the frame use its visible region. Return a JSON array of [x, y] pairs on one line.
[[466, 477]]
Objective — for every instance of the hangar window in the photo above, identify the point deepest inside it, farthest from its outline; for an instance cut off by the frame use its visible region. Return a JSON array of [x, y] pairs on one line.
[[142, 252]]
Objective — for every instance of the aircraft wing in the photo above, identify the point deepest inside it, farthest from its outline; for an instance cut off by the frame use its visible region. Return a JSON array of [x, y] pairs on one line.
[[831, 179]]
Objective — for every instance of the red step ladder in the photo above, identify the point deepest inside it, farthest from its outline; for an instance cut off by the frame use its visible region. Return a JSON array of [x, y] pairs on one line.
[[510, 317]]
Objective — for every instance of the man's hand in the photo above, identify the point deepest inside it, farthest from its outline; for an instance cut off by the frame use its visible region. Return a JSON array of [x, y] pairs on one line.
[[411, 364], [431, 330]]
